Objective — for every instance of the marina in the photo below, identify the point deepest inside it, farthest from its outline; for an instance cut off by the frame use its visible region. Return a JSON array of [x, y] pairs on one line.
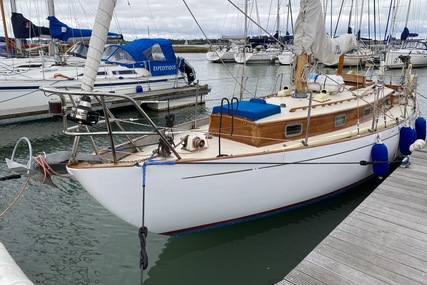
[[242, 186], [63, 232], [163, 83], [382, 241]]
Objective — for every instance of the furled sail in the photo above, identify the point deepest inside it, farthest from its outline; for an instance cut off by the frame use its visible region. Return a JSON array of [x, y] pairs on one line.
[[310, 36], [25, 29], [97, 43], [59, 30]]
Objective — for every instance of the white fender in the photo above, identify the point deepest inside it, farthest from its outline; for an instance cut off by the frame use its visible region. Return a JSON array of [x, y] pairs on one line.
[[418, 144]]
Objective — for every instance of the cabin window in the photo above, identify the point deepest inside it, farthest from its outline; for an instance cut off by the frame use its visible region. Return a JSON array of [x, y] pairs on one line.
[[101, 73], [292, 130], [116, 54], [366, 112], [155, 53], [125, 72], [340, 120], [29, 65]]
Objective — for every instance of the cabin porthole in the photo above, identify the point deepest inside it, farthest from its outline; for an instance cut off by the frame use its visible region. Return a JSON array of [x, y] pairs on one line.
[[293, 130], [340, 121]]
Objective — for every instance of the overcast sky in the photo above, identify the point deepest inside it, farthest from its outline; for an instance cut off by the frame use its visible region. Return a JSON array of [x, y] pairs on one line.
[[172, 19]]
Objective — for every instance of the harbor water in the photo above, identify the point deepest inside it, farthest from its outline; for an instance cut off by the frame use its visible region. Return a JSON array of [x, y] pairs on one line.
[[58, 234]]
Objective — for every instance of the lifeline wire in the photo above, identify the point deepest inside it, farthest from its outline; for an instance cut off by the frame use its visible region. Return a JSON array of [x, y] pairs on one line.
[[361, 162]]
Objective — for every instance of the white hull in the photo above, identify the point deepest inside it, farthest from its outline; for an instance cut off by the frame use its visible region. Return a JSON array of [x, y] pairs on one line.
[[178, 199], [177, 103], [418, 58], [220, 56], [21, 99], [357, 58], [286, 58], [256, 57], [14, 65]]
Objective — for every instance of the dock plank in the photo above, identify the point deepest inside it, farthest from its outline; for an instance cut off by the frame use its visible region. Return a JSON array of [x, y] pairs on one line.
[[383, 241], [330, 271], [362, 264], [408, 256], [388, 234]]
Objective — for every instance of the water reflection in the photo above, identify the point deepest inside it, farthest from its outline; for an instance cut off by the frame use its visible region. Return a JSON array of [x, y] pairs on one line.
[[256, 252]]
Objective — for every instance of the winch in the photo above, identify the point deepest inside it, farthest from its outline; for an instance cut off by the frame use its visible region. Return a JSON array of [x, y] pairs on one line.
[[193, 143]]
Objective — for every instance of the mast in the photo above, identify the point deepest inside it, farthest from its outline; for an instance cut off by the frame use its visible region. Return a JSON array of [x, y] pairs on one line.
[[242, 85], [407, 13], [287, 16], [388, 21], [349, 18], [18, 42], [292, 17], [278, 19], [393, 21], [338, 20], [54, 44], [6, 37]]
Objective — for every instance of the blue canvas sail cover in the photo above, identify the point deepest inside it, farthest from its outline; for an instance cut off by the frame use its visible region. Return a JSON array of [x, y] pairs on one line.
[[25, 29], [155, 54], [406, 34], [59, 30]]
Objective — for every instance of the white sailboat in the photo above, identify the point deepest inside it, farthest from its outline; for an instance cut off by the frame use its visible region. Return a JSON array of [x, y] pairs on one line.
[[223, 53], [248, 159], [256, 55], [416, 49], [259, 50]]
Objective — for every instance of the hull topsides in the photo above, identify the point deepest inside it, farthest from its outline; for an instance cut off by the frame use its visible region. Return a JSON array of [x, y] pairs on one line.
[[186, 197]]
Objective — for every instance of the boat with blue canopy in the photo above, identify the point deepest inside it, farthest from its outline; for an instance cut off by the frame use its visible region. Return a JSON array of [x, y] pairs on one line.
[[156, 55]]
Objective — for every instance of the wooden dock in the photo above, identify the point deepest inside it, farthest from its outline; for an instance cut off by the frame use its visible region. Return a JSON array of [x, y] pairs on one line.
[[383, 241]]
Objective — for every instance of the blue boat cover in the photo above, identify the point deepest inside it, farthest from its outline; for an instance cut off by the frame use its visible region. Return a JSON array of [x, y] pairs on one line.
[[155, 54], [24, 28], [254, 109], [59, 30]]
